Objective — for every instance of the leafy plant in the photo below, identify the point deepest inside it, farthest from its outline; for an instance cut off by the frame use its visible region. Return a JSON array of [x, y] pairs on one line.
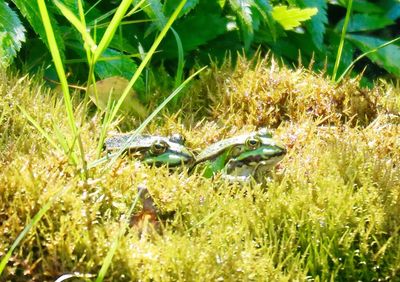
[[291, 18], [12, 34], [199, 24], [210, 29]]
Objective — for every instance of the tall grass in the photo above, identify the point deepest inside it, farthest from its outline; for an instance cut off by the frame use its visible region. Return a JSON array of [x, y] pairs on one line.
[[55, 53], [93, 55]]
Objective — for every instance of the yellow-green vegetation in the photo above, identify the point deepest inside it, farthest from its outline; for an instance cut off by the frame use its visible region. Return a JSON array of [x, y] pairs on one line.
[[330, 211]]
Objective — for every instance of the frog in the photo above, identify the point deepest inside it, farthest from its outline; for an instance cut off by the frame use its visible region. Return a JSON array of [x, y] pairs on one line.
[[153, 149], [241, 157]]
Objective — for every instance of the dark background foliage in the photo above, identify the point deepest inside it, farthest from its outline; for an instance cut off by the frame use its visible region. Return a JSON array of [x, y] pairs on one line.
[[209, 30]]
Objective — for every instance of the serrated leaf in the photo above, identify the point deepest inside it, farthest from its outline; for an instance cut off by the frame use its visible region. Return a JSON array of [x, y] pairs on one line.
[[365, 22], [12, 34], [30, 10], [265, 9], [242, 8], [154, 11], [171, 5], [290, 18], [387, 57], [316, 26]]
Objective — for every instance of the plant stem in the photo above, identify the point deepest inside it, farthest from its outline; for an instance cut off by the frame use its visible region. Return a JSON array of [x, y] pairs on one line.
[[341, 44]]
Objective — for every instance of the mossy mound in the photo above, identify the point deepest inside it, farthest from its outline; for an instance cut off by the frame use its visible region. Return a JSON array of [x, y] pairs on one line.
[[329, 212]]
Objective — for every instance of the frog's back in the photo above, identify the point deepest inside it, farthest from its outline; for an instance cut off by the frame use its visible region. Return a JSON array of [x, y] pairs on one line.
[[140, 141], [216, 148]]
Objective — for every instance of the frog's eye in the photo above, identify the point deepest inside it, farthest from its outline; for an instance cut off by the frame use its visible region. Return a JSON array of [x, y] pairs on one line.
[[253, 142], [158, 147]]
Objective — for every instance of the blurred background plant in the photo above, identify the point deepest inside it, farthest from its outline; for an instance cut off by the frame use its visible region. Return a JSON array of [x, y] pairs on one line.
[[293, 30]]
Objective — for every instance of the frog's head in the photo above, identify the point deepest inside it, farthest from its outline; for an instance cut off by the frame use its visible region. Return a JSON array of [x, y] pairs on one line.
[[152, 149], [242, 154], [167, 151], [255, 148]]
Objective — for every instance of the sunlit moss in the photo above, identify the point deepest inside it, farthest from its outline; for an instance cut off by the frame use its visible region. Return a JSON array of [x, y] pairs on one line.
[[330, 210]]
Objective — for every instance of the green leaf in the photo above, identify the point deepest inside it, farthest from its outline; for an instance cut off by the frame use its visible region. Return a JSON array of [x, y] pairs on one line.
[[29, 9], [387, 57], [12, 34], [76, 22], [171, 5], [363, 6], [365, 22], [153, 9], [264, 5], [221, 3], [265, 9], [204, 24], [316, 26], [242, 8], [290, 18], [394, 11]]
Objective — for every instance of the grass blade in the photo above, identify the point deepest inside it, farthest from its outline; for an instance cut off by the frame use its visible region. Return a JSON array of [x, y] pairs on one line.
[[55, 53], [80, 26], [57, 63], [181, 62], [341, 43], [147, 58], [114, 156], [110, 31]]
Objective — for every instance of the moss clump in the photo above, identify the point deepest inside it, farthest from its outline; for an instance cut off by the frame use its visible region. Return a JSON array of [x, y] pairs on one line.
[[330, 211], [261, 92]]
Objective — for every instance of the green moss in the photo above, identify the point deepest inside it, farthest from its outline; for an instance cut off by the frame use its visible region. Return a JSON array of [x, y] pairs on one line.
[[330, 211]]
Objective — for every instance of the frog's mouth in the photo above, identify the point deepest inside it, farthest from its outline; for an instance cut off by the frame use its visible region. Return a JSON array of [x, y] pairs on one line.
[[247, 166], [171, 159], [255, 159]]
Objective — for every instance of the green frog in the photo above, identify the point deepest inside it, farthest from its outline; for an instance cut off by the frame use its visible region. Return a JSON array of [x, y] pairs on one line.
[[153, 149], [241, 157]]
